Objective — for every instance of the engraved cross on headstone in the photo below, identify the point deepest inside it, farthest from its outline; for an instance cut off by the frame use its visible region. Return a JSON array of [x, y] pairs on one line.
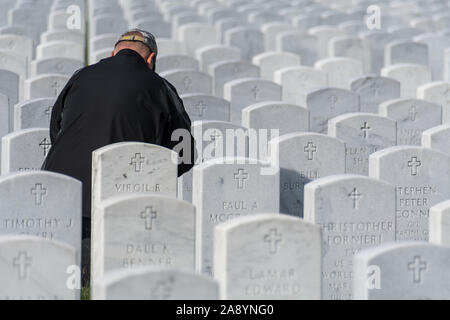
[[149, 215], [187, 83], [22, 262], [355, 196], [273, 238], [417, 266], [162, 290], [48, 112], [59, 66], [333, 99], [256, 91], [412, 113], [55, 86], [365, 129], [414, 164], [303, 78], [310, 149], [215, 137], [241, 176], [376, 89], [39, 192], [138, 160], [45, 145], [200, 107]]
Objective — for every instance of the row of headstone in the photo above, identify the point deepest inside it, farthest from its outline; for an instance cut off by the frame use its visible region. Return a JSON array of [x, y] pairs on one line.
[[283, 259], [40, 232], [35, 66], [107, 22], [190, 28], [357, 135], [412, 116], [403, 214], [59, 50], [240, 189]]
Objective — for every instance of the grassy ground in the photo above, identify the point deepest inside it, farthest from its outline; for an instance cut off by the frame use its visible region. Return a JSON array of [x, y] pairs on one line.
[[86, 293]]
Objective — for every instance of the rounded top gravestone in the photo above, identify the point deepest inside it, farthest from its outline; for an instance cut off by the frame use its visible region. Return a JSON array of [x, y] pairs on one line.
[[131, 167], [33, 268], [281, 258], [407, 271], [155, 283]]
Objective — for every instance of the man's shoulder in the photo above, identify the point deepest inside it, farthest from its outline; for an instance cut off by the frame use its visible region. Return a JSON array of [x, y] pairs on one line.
[[168, 85], [156, 77], [78, 73], [156, 81], [147, 77]]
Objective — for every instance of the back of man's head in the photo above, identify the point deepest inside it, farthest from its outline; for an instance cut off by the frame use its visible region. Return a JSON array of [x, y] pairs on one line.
[[137, 46], [142, 42]]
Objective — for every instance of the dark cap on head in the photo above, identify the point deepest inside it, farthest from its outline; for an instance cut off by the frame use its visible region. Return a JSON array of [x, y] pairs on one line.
[[143, 36]]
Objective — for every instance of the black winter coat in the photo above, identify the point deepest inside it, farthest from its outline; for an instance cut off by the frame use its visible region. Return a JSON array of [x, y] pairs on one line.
[[116, 100]]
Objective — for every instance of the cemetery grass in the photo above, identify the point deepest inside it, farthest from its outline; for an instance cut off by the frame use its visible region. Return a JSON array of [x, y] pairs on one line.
[[86, 293]]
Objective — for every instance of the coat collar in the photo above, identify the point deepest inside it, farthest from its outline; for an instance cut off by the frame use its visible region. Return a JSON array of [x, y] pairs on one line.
[[130, 55]]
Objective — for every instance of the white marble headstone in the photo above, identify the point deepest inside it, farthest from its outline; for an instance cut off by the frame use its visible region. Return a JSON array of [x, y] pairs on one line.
[[55, 65], [25, 150], [224, 189], [44, 86], [304, 157], [137, 230], [340, 70], [403, 271], [189, 81], [37, 269], [270, 62], [196, 35], [214, 139], [155, 283], [302, 44], [410, 76], [281, 258], [413, 116], [355, 212], [325, 104], [296, 81], [212, 54], [33, 113], [202, 107], [440, 224], [248, 39], [223, 72], [439, 93], [170, 62], [131, 167], [42, 204], [363, 134], [374, 90], [245, 92], [421, 177], [437, 138]]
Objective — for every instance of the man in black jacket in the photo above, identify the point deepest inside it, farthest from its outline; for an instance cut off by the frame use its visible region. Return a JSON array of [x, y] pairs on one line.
[[119, 99]]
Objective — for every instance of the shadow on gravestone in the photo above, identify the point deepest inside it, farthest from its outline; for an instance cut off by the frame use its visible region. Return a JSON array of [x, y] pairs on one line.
[[155, 283]]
